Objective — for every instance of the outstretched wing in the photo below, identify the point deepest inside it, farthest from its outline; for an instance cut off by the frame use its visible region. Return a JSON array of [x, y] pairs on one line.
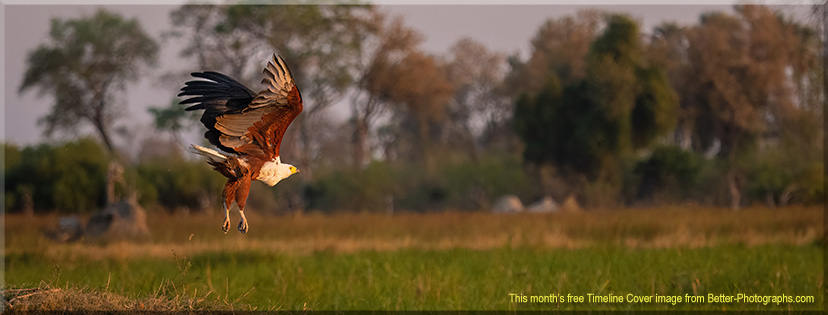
[[257, 127], [219, 96]]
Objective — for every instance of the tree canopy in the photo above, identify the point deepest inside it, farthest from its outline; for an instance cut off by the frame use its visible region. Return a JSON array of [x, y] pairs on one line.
[[587, 126], [84, 65]]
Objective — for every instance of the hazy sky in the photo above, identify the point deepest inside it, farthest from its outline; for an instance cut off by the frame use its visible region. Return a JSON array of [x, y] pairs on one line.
[[507, 29]]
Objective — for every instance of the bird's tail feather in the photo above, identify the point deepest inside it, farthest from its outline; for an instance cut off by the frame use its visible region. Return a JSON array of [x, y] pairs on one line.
[[210, 154]]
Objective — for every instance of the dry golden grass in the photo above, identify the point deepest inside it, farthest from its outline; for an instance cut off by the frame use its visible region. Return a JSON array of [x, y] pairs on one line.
[[345, 233], [47, 298]]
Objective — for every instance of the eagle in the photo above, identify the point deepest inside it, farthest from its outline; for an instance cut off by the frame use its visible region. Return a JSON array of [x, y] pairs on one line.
[[247, 126]]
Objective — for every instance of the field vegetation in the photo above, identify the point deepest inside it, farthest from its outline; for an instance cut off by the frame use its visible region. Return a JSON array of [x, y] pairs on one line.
[[694, 154], [453, 260]]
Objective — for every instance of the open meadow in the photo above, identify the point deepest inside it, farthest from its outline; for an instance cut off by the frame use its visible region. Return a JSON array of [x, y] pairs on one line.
[[439, 261], [446, 161]]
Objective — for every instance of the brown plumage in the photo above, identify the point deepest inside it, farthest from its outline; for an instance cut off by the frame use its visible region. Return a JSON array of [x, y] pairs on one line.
[[248, 125]]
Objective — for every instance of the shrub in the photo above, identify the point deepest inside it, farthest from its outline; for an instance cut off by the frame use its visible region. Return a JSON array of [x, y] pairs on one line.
[[466, 185], [670, 174], [364, 190], [175, 182], [69, 178]]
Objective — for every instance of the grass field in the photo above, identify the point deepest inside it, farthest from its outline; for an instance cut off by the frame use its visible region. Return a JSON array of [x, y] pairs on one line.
[[455, 260]]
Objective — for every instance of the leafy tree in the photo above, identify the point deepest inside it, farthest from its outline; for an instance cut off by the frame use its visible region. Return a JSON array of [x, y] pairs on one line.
[[419, 91], [740, 72], [668, 49], [557, 61], [84, 65], [750, 92], [588, 127], [477, 106], [654, 112], [538, 121], [559, 47], [788, 166], [387, 41]]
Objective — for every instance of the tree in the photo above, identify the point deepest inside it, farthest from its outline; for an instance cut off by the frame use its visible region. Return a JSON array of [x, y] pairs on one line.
[[587, 127], [84, 65], [669, 49], [739, 67], [788, 164], [557, 61], [418, 89], [476, 74], [214, 43], [389, 40], [559, 47], [539, 121]]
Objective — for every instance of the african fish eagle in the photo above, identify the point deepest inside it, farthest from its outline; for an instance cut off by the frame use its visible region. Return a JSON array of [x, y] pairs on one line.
[[246, 125]]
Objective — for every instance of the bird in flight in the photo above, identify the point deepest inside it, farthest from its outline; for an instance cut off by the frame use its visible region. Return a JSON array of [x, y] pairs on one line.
[[247, 126]]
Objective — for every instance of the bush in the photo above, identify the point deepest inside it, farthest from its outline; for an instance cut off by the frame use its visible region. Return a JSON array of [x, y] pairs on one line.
[[71, 178], [474, 185], [68, 178], [670, 174], [364, 190], [174, 182], [466, 185], [779, 178]]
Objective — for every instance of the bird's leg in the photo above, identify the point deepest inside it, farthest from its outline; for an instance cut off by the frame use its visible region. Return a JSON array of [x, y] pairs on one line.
[[226, 225], [243, 222], [242, 201]]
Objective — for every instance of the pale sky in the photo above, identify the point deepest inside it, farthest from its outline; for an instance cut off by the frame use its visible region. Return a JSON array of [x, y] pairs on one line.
[[502, 28]]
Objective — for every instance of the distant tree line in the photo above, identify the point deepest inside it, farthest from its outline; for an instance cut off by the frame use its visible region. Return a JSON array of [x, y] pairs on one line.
[[730, 108], [728, 111]]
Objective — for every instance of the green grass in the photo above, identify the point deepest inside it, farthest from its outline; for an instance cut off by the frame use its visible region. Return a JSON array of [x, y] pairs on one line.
[[445, 279], [438, 261]]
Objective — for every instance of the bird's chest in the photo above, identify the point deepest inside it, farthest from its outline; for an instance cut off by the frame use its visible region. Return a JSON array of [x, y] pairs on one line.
[[271, 173]]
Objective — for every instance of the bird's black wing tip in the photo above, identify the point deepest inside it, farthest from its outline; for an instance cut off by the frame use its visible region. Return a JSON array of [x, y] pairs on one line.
[[194, 107]]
